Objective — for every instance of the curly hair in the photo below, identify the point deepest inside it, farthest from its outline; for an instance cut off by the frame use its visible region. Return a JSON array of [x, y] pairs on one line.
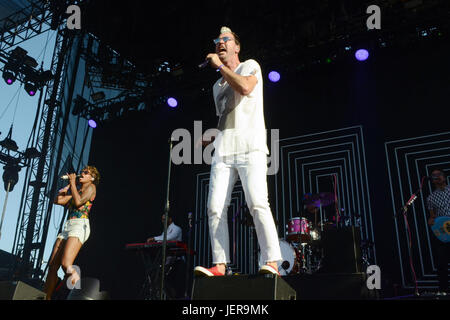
[[94, 173]]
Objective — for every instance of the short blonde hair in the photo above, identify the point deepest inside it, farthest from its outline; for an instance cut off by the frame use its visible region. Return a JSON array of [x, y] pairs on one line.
[[228, 30]]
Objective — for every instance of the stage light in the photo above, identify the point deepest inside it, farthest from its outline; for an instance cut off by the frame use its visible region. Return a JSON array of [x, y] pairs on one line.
[[274, 76], [45, 77], [10, 176], [172, 102], [361, 54], [9, 77], [92, 123], [98, 96], [30, 88], [32, 153]]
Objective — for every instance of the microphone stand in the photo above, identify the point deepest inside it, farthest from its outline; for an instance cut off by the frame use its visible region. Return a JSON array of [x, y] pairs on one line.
[[404, 211], [188, 262], [166, 218]]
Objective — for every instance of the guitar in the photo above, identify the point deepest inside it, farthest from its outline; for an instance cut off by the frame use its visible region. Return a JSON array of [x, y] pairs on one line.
[[441, 228]]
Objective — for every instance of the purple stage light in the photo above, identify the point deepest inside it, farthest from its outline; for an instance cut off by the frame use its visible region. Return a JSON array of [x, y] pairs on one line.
[[9, 77], [361, 54], [172, 102], [274, 76], [92, 124], [30, 88]]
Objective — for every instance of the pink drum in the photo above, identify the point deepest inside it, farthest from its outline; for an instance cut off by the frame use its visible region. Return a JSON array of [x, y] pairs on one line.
[[299, 230]]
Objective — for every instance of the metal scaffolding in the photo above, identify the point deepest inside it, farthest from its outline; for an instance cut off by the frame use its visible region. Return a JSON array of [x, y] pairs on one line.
[[35, 207], [25, 24]]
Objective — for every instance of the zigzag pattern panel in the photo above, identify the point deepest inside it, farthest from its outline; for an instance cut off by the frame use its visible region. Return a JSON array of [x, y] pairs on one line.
[[408, 161], [331, 161]]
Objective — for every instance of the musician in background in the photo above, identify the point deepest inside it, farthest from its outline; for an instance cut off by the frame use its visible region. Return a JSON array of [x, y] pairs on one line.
[[175, 265], [438, 204], [76, 229], [174, 232]]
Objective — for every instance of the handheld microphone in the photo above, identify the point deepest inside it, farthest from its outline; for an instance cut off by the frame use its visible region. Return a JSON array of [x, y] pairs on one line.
[[66, 177], [204, 64]]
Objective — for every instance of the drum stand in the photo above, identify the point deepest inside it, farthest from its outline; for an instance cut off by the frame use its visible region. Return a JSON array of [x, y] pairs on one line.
[[321, 217]]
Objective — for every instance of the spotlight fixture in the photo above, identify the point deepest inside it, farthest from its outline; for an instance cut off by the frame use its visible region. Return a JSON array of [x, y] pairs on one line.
[[30, 88], [361, 54], [98, 96], [32, 153], [274, 76], [92, 123], [172, 102], [45, 77], [9, 77], [10, 176]]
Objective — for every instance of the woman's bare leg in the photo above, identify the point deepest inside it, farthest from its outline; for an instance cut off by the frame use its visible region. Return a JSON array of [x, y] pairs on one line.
[[54, 264], [72, 247]]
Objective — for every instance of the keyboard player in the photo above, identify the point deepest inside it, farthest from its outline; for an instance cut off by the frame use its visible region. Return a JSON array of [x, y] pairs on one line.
[[174, 232], [174, 264]]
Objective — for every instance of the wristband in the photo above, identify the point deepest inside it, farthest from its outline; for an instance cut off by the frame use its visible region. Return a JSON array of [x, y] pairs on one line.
[[220, 67]]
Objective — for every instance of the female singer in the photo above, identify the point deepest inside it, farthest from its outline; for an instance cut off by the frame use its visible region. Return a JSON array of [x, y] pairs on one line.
[[76, 229]]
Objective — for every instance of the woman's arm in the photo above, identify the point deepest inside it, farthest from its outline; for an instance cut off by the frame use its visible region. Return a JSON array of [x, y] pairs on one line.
[[62, 198], [78, 199]]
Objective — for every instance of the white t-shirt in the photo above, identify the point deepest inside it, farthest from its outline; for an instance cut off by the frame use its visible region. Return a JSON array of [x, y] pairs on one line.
[[241, 118], [174, 233]]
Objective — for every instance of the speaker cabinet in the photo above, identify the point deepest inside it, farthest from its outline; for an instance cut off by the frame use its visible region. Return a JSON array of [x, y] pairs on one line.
[[242, 287], [341, 249], [18, 290], [350, 286]]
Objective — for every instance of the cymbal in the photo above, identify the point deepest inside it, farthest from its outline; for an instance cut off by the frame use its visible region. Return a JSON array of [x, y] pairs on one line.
[[321, 199]]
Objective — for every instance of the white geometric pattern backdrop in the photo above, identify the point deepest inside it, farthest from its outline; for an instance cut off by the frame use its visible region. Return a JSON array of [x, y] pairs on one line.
[[408, 161], [305, 162], [310, 161]]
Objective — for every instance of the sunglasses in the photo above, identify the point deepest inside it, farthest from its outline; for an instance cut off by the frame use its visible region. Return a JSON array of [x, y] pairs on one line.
[[85, 172], [225, 39]]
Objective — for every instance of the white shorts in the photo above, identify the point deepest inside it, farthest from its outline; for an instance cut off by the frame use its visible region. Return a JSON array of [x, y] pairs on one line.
[[76, 228]]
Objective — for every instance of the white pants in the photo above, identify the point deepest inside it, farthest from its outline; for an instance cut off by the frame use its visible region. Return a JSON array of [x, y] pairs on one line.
[[252, 170]]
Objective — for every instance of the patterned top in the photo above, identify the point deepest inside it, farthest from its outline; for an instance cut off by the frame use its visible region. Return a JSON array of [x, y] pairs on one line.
[[77, 213], [439, 202]]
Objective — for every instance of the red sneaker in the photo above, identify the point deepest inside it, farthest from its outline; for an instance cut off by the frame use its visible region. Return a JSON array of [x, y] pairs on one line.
[[211, 272], [266, 269]]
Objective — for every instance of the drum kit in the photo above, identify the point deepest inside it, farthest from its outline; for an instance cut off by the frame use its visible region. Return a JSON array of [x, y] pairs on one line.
[[302, 251]]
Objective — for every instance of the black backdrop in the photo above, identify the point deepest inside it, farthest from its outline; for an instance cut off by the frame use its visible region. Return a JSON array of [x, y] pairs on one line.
[[397, 93]]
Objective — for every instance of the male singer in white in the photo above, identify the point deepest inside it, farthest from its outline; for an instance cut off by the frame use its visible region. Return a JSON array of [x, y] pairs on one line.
[[240, 149]]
